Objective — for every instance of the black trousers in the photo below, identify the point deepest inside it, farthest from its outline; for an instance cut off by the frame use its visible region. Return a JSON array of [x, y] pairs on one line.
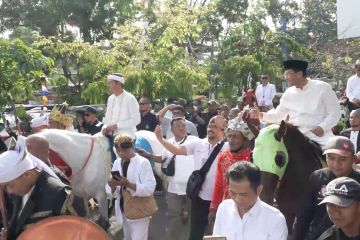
[[198, 218]]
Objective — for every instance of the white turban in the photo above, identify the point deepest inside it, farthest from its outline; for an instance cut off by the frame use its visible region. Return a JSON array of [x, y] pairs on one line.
[[14, 163], [242, 127], [39, 121], [116, 77]]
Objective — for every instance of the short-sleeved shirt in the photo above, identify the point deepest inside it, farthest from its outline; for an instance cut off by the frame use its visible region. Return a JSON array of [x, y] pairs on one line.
[[148, 122], [184, 166], [201, 149]]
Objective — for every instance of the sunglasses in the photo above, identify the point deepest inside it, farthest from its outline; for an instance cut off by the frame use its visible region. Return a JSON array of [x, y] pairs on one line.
[[142, 103], [264, 77]]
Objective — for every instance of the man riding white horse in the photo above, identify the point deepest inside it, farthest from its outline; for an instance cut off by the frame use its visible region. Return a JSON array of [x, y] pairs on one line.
[[122, 110], [311, 105]]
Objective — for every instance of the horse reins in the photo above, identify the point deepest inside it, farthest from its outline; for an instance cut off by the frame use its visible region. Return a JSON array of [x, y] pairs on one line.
[[87, 158]]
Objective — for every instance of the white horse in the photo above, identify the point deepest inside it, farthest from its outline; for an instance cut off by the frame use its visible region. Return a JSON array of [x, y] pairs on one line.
[[90, 161]]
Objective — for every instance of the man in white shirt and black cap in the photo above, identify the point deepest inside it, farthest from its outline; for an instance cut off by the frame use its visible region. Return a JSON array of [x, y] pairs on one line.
[[311, 105], [35, 193]]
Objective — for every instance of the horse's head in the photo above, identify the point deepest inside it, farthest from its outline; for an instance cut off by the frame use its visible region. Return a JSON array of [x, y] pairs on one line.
[[271, 156]]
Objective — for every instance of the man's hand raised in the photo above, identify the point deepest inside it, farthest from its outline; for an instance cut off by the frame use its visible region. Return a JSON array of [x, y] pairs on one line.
[[158, 133], [255, 112]]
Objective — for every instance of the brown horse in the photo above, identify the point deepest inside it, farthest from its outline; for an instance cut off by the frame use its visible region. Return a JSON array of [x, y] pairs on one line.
[[286, 158]]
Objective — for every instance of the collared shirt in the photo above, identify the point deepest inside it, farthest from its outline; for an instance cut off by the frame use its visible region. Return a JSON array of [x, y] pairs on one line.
[[265, 94], [314, 105], [201, 149], [184, 166], [261, 222], [148, 122], [122, 110], [140, 173], [353, 87], [24, 200]]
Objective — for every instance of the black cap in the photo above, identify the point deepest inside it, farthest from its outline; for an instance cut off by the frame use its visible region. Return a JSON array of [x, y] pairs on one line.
[[91, 110], [342, 191], [340, 145], [297, 65]]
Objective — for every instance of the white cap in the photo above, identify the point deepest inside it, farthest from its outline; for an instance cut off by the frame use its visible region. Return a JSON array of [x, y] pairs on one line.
[[14, 163], [116, 77], [39, 121]]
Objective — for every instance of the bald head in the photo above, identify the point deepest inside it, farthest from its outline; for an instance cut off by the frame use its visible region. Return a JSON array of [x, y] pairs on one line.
[[216, 128], [39, 147]]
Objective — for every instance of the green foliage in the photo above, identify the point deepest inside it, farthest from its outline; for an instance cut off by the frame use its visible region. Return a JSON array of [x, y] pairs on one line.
[[20, 69], [94, 18]]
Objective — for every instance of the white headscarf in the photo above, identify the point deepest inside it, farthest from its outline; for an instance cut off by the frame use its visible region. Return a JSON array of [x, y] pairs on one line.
[[14, 163], [39, 121]]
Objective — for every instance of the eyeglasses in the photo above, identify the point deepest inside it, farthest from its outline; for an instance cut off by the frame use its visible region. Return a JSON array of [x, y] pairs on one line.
[[213, 126]]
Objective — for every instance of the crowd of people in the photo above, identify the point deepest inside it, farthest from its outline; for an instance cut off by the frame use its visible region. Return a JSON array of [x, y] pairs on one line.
[[212, 145]]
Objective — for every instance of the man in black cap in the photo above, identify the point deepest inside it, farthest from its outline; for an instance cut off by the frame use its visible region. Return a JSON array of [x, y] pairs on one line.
[[93, 125], [311, 105], [342, 198], [312, 220]]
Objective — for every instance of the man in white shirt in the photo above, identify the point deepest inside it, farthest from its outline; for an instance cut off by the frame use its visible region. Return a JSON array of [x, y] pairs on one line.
[[122, 109], [176, 193], [311, 105], [265, 93], [201, 149], [245, 216], [353, 132], [353, 88], [176, 111]]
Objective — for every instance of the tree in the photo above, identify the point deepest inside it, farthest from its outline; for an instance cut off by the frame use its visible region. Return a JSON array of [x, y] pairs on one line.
[[20, 68], [95, 19]]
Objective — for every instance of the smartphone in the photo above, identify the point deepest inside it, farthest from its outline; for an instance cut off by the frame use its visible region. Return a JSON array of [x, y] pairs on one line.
[[214, 238], [115, 174]]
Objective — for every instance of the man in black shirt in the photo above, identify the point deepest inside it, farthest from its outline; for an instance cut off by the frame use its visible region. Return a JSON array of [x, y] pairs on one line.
[[148, 119], [312, 219], [342, 198], [93, 125]]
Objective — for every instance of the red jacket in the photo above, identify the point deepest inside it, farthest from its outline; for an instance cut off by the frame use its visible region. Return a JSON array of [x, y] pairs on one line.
[[225, 160]]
